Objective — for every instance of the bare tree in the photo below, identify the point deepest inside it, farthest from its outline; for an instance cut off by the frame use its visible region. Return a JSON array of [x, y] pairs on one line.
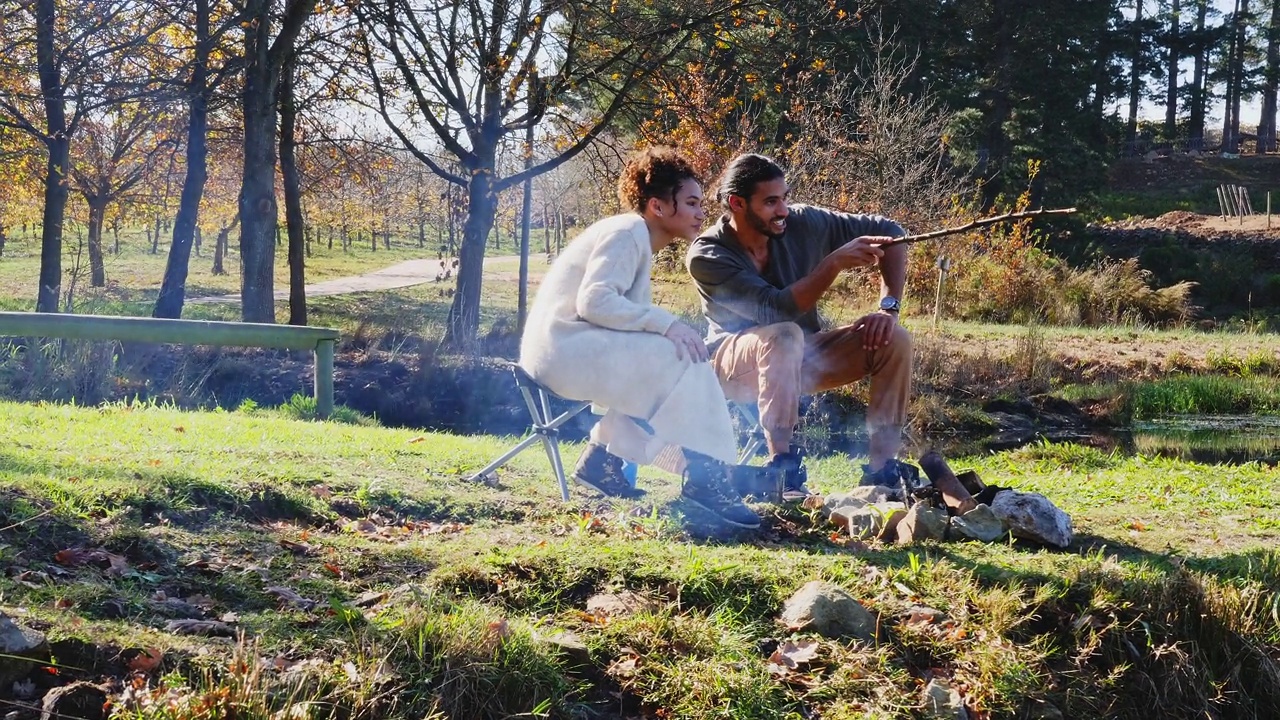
[[451, 80]]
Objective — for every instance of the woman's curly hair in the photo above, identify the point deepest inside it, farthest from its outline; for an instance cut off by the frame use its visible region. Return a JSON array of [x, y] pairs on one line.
[[654, 172]]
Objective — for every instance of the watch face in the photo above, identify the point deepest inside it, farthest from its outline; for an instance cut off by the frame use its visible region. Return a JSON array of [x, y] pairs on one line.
[[890, 304]]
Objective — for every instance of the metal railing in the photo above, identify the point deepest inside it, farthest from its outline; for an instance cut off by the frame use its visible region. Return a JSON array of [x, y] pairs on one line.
[[319, 340]]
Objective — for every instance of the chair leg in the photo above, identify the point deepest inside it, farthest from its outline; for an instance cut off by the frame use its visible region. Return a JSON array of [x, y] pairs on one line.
[[546, 429]]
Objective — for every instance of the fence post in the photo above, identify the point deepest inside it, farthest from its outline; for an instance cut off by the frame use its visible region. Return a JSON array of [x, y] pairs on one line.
[[944, 264], [323, 382]]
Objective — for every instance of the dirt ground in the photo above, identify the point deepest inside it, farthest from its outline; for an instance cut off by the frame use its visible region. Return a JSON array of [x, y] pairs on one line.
[[1259, 224]]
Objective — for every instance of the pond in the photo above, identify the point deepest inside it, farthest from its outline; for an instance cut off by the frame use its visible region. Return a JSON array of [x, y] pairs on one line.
[[1209, 439]]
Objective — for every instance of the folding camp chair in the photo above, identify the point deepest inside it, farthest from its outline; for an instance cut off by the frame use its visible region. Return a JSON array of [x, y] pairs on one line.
[[545, 427]]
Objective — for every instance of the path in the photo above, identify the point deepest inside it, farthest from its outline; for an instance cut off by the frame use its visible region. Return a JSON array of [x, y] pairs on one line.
[[404, 274]]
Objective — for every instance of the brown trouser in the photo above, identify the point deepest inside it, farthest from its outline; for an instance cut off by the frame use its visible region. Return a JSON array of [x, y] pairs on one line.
[[773, 365]]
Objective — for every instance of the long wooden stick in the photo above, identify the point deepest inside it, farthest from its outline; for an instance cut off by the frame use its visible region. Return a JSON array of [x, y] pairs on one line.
[[1007, 217]]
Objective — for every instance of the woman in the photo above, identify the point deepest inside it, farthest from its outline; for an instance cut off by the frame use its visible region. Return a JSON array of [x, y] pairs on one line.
[[593, 335]]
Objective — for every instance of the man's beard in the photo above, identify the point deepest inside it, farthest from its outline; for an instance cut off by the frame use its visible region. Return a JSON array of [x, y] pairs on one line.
[[764, 227]]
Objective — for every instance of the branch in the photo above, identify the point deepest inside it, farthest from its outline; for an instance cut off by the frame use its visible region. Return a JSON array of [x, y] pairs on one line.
[[983, 222]]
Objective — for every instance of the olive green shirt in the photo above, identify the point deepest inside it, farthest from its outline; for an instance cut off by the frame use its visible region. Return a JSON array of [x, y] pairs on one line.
[[736, 297]]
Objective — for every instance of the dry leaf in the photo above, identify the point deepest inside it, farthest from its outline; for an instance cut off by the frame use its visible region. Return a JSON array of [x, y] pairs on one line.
[[146, 660], [333, 569], [321, 491], [63, 604], [179, 429], [292, 598], [416, 440], [199, 627], [297, 548]]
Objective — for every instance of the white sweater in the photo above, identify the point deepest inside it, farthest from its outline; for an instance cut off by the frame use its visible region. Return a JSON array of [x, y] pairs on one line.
[[592, 334]]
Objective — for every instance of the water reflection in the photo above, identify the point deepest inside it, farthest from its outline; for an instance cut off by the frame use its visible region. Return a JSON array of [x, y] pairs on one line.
[[1209, 439]]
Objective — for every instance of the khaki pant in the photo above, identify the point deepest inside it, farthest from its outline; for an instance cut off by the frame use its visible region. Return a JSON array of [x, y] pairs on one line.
[[773, 365]]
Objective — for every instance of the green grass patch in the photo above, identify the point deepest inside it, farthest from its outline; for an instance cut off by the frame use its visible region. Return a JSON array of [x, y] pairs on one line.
[[370, 579]]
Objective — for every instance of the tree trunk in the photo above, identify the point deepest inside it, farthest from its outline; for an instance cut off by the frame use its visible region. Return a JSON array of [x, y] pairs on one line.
[[1195, 127], [2, 238], [526, 215], [155, 238], [1271, 78], [58, 166], [221, 245], [97, 213], [464, 313], [1135, 77], [115, 235], [1171, 89], [292, 197], [199, 240], [1230, 120], [186, 230], [257, 201]]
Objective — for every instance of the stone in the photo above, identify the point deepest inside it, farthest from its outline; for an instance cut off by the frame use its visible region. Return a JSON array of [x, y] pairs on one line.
[[19, 646], [1043, 710], [942, 702], [571, 647], [82, 700], [922, 523], [873, 521], [826, 609], [979, 524], [1032, 516], [621, 603], [859, 497]]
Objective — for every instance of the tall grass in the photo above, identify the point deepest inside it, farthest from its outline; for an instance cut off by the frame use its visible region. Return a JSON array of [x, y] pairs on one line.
[[1204, 395]]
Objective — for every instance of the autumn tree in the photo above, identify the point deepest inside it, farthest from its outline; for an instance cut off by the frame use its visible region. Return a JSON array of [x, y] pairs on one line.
[[117, 150], [452, 81], [56, 63], [198, 37]]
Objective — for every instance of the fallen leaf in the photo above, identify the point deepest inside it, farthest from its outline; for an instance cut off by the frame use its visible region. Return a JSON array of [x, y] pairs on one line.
[[500, 629], [416, 440], [791, 655], [292, 598], [146, 660], [199, 627], [1137, 525], [297, 548], [333, 569], [63, 604], [179, 429], [321, 491]]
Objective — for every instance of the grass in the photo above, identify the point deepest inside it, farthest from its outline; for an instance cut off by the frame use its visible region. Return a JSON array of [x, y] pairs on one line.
[[370, 579]]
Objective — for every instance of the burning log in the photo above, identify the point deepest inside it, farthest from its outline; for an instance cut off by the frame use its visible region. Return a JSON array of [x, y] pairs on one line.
[[958, 500]]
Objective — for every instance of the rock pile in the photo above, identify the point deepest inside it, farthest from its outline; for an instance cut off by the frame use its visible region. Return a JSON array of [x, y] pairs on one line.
[[991, 513]]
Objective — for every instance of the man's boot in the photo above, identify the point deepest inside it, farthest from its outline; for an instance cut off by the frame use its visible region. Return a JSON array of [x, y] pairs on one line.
[[706, 484], [601, 471], [794, 476]]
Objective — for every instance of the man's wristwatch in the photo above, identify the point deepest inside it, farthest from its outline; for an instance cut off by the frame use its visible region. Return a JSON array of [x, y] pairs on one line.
[[890, 303]]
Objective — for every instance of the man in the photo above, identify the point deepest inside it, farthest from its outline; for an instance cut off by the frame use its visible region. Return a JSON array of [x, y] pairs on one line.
[[761, 271]]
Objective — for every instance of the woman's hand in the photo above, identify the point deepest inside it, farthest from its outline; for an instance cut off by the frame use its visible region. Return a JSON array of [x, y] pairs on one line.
[[688, 342]]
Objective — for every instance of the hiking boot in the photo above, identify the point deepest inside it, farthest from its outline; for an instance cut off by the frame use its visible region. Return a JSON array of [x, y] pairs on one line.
[[601, 471], [706, 484], [895, 474], [794, 476]]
